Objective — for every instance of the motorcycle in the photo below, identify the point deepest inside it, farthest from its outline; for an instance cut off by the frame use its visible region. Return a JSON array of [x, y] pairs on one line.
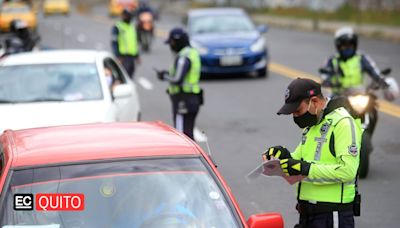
[[145, 30], [362, 105]]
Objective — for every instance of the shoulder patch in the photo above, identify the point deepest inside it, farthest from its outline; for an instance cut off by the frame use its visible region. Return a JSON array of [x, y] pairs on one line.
[[353, 150]]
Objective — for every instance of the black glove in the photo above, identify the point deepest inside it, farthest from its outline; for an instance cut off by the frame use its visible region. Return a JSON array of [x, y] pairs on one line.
[[383, 84], [161, 74], [278, 152], [293, 167]]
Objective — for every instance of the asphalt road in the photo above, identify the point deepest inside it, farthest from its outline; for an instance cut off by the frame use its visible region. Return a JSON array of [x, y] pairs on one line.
[[239, 117]]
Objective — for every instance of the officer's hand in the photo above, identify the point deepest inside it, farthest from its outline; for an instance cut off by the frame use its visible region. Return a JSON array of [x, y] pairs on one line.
[[278, 152], [292, 167], [138, 60], [161, 74]]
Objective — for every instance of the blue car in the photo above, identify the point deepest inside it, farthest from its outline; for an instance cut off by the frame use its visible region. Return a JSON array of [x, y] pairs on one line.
[[228, 41]]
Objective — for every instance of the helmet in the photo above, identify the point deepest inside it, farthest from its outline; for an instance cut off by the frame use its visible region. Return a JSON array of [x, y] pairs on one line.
[[392, 91], [346, 41], [177, 39], [17, 24]]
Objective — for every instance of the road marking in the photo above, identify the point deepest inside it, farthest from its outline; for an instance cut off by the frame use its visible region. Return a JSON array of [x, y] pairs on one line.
[[199, 136], [146, 84], [67, 31], [81, 38], [384, 106]]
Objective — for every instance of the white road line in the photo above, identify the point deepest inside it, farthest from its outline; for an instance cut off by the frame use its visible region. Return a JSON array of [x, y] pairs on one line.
[[199, 136], [81, 38], [146, 84], [67, 31]]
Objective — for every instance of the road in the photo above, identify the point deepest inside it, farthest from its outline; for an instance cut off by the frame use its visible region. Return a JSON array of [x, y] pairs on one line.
[[239, 116]]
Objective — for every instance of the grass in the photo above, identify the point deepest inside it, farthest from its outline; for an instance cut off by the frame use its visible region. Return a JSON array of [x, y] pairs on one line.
[[346, 13]]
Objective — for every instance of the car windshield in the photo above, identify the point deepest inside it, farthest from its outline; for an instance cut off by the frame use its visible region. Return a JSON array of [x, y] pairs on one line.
[[15, 9], [49, 82], [220, 24], [170, 192]]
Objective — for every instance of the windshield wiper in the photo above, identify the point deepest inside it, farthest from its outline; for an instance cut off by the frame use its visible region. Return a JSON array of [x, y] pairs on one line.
[[6, 102], [44, 99]]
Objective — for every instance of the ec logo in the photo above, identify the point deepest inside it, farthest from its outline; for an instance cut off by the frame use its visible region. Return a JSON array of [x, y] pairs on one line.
[[49, 202], [23, 202]]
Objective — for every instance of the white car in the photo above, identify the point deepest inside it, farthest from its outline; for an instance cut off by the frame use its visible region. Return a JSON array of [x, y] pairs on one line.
[[62, 87]]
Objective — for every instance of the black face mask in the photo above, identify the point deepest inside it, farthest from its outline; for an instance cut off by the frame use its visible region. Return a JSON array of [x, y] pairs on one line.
[[306, 120]]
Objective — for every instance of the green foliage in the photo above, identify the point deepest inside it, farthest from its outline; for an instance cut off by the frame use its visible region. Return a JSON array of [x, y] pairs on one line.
[[345, 13]]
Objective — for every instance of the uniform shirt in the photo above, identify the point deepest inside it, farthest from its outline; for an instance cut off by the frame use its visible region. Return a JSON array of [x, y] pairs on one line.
[[114, 41], [182, 66]]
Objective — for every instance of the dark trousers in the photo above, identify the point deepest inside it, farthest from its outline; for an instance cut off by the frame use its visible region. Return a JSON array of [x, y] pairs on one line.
[[340, 219], [184, 110], [128, 62]]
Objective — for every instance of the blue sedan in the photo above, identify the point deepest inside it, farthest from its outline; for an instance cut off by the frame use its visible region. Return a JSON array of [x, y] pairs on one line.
[[228, 41]]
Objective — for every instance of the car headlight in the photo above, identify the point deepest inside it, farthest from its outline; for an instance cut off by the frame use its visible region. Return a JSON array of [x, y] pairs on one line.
[[202, 50], [359, 103], [258, 46]]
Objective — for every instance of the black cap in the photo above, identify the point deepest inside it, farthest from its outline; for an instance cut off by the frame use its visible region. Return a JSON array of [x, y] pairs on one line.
[[176, 34], [298, 90]]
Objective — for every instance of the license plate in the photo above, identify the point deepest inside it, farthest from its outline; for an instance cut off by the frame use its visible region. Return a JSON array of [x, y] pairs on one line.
[[233, 60]]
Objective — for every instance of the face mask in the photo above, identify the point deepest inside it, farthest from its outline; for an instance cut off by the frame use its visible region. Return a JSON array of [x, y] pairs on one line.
[[109, 80], [307, 119], [347, 53]]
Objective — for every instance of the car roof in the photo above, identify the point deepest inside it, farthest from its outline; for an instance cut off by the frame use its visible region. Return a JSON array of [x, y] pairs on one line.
[[99, 141], [216, 11], [52, 57]]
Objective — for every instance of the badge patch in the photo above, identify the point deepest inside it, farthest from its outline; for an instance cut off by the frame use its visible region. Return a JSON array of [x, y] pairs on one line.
[[353, 150], [324, 129], [287, 94]]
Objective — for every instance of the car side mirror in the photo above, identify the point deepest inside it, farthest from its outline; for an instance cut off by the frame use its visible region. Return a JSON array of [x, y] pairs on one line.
[[122, 91], [262, 28], [271, 220]]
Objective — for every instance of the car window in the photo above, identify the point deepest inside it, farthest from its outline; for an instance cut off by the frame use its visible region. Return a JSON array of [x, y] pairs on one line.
[[15, 9], [220, 24], [116, 71], [49, 82], [178, 192]]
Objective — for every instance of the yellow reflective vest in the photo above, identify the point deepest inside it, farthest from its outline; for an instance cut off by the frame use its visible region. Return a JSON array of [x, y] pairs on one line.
[[190, 82], [127, 39], [333, 148], [352, 73]]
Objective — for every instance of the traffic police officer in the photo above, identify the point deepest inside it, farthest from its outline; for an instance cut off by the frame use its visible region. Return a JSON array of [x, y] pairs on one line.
[[124, 42], [328, 156], [184, 76], [347, 65]]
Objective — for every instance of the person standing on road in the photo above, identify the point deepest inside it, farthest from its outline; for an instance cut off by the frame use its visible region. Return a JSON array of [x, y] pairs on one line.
[[184, 75], [124, 42], [348, 65], [327, 156]]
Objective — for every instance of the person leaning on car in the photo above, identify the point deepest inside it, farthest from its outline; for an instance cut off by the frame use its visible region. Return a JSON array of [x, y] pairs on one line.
[[184, 89], [328, 157], [124, 42]]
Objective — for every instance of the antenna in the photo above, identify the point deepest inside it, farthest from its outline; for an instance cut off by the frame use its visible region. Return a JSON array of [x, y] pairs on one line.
[[208, 149], [208, 145]]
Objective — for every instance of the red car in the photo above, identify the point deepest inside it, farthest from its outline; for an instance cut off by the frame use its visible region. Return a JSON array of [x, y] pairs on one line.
[[121, 174]]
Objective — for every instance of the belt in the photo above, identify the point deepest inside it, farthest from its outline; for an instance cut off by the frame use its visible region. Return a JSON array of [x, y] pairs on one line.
[[307, 208]]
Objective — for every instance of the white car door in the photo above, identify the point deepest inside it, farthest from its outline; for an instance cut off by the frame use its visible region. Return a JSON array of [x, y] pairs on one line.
[[124, 93]]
